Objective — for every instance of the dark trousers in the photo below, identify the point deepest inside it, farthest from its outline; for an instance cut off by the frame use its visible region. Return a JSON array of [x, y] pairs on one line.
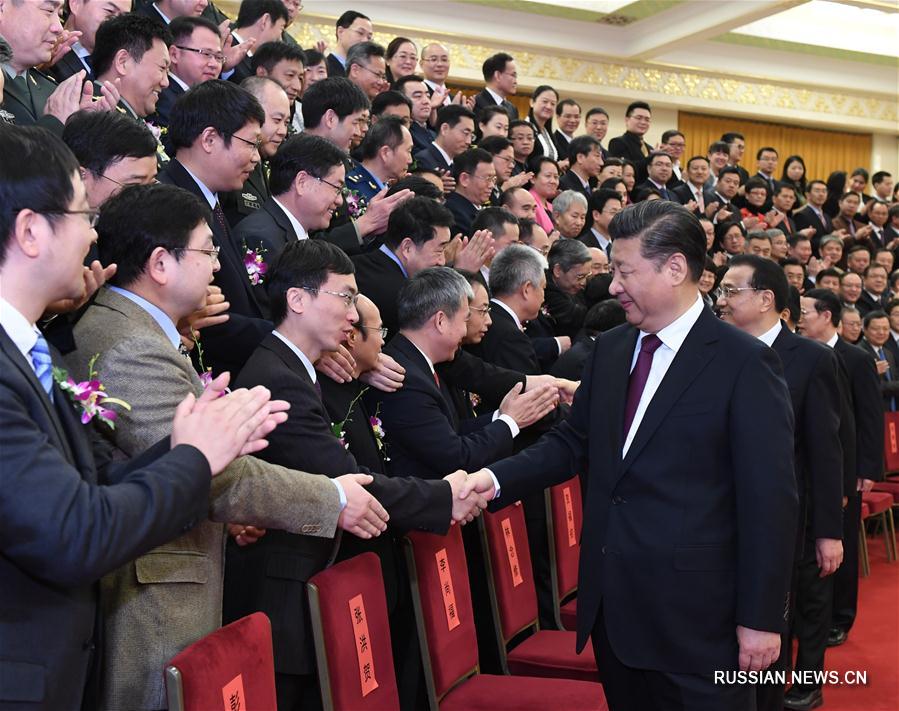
[[298, 692], [814, 597], [845, 580], [630, 689], [538, 544]]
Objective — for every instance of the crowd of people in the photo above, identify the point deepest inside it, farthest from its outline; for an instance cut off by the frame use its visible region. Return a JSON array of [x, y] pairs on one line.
[[424, 304]]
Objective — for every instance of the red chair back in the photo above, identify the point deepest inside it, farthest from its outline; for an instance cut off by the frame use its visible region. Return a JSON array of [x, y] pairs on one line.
[[231, 668], [891, 441], [442, 598], [567, 515], [352, 636], [509, 569]]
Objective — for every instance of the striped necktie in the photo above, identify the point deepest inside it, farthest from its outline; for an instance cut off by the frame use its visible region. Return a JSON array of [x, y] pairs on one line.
[[42, 364]]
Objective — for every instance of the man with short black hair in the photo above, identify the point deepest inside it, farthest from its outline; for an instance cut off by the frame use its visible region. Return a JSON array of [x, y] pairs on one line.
[[882, 182], [718, 155], [284, 63], [350, 28], [659, 169], [766, 159], [455, 132], [475, 179], [414, 88], [584, 165], [674, 143], [196, 56], [501, 82], [693, 188], [568, 119], [725, 191], [391, 103], [596, 124], [632, 144], [85, 16], [812, 213], [258, 22], [736, 145], [384, 157], [602, 206], [366, 67]]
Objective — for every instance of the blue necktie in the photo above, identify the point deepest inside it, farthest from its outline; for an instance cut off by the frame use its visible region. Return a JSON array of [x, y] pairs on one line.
[[43, 364], [887, 376]]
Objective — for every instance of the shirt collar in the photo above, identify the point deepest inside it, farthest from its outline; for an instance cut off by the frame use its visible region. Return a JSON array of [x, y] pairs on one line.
[[168, 21], [443, 153], [159, 316], [496, 97], [601, 238], [389, 252], [295, 223], [508, 311], [340, 59], [80, 50], [769, 336], [307, 364], [179, 81], [424, 355], [833, 340], [675, 333], [12, 72], [210, 196], [240, 40], [22, 333], [434, 84]]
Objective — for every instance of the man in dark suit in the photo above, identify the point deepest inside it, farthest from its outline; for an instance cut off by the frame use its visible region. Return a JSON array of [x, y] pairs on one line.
[[812, 214], [569, 268], [455, 131], [501, 82], [724, 193], [351, 28], [85, 17], [568, 119], [260, 21], [313, 296], [232, 119], [384, 157], [820, 319], [877, 334], [875, 291], [602, 316], [603, 205], [584, 163], [736, 144], [631, 144], [73, 517], [658, 395], [754, 293], [333, 109], [29, 95], [432, 310], [414, 89], [475, 178], [659, 167]]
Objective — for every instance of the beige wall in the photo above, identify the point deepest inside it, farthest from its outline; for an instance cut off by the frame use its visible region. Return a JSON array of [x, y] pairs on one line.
[[885, 154]]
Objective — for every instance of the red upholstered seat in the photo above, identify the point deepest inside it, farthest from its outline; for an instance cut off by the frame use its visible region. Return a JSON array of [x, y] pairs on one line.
[[445, 620], [891, 487], [551, 653], [487, 692], [352, 636], [877, 501], [514, 598], [233, 665], [568, 614], [564, 509], [866, 512]]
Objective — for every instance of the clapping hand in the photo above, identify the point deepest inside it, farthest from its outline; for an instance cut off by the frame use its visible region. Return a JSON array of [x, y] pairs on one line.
[[526, 408], [475, 252], [95, 276]]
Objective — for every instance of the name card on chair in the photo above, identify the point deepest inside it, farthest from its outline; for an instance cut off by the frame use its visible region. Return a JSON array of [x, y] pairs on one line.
[[512, 553], [363, 646], [233, 695], [569, 517], [446, 588]]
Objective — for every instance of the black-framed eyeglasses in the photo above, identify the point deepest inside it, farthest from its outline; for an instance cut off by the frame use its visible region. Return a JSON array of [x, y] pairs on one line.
[[257, 144], [380, 329], [93, 216], [207, 54], [349, 299], [728, 292], [212, 252], [341, 189]]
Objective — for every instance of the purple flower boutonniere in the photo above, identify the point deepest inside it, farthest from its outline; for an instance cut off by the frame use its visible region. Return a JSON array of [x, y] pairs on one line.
[[545, 311], [377, 429], [255, 264], [89, 395], [475, 400], [206, 376], [355, 204]]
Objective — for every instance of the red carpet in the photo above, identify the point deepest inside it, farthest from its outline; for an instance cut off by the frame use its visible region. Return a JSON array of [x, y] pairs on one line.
[[873, 644]]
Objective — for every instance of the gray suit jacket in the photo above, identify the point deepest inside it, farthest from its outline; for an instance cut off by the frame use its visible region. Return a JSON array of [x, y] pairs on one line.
[[158, 604]]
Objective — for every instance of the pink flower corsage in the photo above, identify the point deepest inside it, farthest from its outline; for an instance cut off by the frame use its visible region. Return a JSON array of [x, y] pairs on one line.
[[255, 264], [355, 204], [377, 429], [89, 394]]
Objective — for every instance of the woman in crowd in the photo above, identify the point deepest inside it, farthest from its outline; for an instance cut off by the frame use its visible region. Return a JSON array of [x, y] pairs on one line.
[[756, 197], [618, 185], [493, 121], [543, 108], [570, 213], [402, 58], [629, 175], [544, 188], [836, 186], [794, 174], [730, 237]]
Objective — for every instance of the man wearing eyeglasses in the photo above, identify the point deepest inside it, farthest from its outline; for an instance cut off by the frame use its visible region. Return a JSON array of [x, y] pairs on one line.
[[475, 179], [196, 56], [367, 68], [500, 82]]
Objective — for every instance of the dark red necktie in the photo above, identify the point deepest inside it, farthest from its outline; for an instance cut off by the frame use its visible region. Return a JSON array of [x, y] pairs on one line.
[[639, 375], [218, 215]]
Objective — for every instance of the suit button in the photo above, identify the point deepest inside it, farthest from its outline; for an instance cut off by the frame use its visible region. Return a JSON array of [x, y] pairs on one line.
[[603, 550], [617, 500]]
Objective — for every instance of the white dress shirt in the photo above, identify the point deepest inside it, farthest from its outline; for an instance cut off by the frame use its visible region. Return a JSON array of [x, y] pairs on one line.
[[769, 336], [298, 229], [22, 333], [496, 97], [672, 337]]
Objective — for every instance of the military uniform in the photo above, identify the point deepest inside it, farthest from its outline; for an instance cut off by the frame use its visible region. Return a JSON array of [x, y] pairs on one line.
[[362, 186], [238, 204]]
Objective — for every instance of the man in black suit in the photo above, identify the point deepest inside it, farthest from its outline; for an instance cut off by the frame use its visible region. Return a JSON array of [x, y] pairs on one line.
[[258, 22], [820, 319], [725, 191], [215, 130], [73, 516], [164, 12], [30, 96], [875, 291], [877, 334], [568, 119], [240, 203], [351, 28], [334, 109], [812, 214], [455, 131], [501, 82], [85, 17], [584, 163], [596, 124], [658, 171], [569, 268], [285, 63], [413, 88], [631, 144], [602, 316], [736, 148], [313, 296], [196, 56], [432, 310], [692, 189], [475, 179], [659, 395], [602, 206], [754, 292]]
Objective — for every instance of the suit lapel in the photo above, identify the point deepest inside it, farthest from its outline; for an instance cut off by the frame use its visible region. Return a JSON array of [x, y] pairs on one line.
[[785, 346], [12, 90], [411, 352], [689, 362], [615, 374]]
